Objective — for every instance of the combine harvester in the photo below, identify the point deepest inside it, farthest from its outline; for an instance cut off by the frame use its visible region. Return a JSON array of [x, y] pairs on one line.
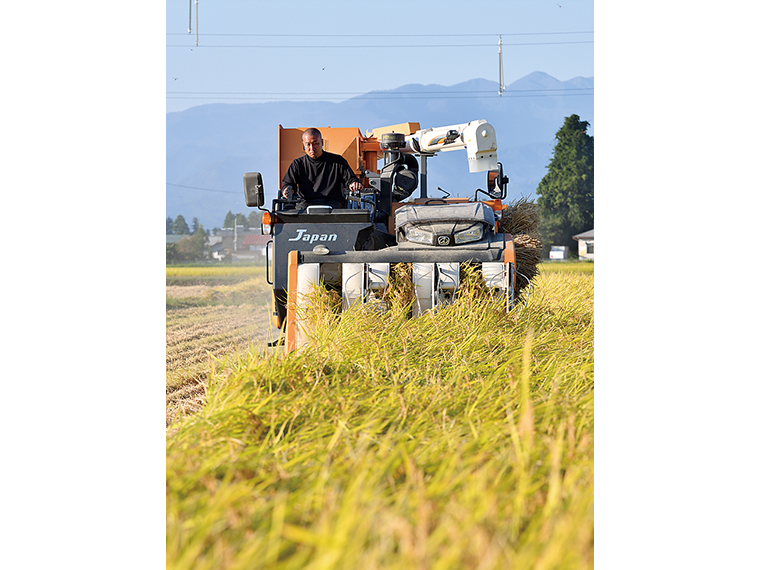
[[353, 249]]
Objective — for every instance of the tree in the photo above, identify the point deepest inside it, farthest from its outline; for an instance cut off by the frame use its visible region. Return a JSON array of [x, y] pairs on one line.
[[241, 220], [180, 226], [254, 219], [229, 220], [566, 193], [195, 226], [169, 224], [191, 248]]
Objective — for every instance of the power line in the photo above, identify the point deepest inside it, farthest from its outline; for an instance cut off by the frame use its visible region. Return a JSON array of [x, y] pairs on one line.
[[382, 46], [381, 35], [206, 189]]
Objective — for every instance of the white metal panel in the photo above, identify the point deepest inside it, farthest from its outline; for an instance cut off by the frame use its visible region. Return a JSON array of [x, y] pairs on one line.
[[377, 276], [423, 275], [352, 284], [307, 279], [495, 277], [448, 283]]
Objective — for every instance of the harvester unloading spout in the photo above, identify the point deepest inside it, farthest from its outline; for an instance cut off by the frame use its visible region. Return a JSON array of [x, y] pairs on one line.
[[339, 247], [477, 137]]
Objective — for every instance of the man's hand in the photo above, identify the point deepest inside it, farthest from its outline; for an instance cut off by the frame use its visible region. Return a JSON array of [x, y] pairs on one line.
[[355, 186], [287, 192]]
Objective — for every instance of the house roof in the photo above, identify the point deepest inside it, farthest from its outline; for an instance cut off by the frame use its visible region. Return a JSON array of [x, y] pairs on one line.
[[589, 234], [254, 239]]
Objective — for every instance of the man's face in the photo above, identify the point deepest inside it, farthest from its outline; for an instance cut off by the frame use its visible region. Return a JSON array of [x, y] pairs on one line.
[[312, 145]]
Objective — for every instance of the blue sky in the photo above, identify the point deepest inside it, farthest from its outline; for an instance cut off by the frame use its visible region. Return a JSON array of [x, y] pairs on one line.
[[279, 47]]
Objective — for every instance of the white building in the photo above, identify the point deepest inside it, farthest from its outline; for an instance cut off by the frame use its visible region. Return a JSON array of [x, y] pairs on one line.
[[585, 244]]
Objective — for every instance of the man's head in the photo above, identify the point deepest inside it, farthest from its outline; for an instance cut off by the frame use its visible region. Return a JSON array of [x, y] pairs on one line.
[[312, 142]]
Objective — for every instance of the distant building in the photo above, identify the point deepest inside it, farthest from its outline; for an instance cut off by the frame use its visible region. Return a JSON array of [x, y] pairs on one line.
[[239, 244], [559, 253], [585, 244]]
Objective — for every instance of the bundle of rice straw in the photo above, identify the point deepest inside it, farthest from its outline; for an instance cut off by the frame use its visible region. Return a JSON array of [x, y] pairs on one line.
[[520, 218]]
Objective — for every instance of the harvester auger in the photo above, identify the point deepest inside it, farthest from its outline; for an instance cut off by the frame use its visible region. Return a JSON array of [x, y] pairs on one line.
[[352, 249]]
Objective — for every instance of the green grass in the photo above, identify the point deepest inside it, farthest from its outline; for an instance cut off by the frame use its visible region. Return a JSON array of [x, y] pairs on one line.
[[457, 440]]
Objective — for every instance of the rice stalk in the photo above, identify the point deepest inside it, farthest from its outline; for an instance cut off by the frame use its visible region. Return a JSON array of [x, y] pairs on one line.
[[520, 218], [398, 443]]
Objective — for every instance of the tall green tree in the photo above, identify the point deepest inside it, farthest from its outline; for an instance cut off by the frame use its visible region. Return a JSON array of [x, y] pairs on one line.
[[169, 224], [194, 229], [566, 193], [254, 219], [180, 226], [229, 220]]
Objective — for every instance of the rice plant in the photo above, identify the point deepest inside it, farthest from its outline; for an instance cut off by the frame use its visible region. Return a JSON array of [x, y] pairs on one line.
[[462, 439]]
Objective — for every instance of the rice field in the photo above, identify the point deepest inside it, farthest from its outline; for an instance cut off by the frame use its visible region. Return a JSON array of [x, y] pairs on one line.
[[217, 313], [212, 274], [457, 440]]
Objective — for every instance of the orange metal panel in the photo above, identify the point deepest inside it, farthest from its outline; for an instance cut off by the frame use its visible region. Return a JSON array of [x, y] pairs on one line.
[[360, 153], [291, 318], [509, 253]]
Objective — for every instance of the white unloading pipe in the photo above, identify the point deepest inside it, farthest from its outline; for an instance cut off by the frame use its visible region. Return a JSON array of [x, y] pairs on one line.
[[477, 137]]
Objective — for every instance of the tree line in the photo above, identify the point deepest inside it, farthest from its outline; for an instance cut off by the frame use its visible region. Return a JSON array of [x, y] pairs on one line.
[[178, 225]]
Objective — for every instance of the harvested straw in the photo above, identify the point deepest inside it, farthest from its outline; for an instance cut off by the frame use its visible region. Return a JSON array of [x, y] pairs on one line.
[[520, 218]]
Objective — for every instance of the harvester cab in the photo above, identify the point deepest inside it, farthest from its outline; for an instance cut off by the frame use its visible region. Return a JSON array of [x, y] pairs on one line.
[[353, 249]]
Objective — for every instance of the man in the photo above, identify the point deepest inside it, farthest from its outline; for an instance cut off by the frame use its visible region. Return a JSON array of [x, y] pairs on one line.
[[318, 177]]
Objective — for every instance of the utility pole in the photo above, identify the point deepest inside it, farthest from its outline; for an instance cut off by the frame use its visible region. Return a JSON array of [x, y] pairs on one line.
[[196, 22], [501, 70], [190, 20]]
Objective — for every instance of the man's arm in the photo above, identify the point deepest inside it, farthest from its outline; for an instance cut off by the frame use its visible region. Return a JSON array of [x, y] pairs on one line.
[[289, 182], [349, 178]]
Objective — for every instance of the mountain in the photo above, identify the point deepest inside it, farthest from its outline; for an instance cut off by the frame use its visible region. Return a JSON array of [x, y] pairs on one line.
[[210, 147]]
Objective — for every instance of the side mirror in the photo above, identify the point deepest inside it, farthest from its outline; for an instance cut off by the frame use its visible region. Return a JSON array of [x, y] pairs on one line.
[[254, 189], [497, 183]]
